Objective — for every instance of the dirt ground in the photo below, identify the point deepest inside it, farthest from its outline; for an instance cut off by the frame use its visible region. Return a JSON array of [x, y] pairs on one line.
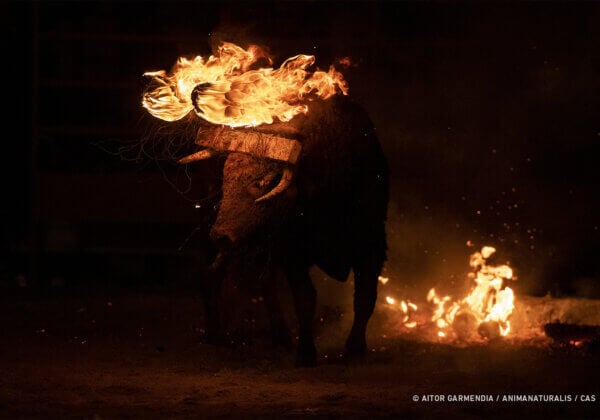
[[141, 356]]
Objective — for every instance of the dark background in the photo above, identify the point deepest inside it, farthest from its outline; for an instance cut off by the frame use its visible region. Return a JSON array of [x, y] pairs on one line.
[[488, 113]]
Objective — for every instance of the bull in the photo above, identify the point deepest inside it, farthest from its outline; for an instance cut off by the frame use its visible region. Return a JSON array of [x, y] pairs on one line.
[[310, 191]]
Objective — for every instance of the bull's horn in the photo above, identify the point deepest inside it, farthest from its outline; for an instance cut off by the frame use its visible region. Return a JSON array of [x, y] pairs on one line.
[[199, 155], [284, 183]]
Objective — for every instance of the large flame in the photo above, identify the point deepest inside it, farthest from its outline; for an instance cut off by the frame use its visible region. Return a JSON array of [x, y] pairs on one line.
[[485, 311], [227, 89]]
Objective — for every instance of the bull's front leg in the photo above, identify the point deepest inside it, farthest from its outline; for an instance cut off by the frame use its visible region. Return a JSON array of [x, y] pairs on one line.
[[305, 299], [366, 273], [211, 296]]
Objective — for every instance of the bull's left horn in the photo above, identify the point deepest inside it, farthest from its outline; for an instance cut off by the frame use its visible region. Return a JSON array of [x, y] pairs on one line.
[[199, 155], [286, 179]]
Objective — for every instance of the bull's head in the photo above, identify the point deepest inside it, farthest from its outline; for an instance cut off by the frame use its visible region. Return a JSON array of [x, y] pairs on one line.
[[257, 179]]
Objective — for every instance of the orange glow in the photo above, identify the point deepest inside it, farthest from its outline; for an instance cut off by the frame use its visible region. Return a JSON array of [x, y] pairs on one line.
[[228, 89], [485, 309], [407, 308], [483, 312], [383, 280]]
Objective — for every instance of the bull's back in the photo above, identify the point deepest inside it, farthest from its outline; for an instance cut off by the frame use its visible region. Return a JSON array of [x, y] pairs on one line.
[[343, 186]]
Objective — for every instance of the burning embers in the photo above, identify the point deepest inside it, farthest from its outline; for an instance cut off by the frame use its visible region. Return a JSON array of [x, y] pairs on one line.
[[484, 312], [485, 309], [231, 88]]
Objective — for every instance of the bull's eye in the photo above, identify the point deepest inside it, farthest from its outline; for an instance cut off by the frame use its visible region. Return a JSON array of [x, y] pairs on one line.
[[264, 184]]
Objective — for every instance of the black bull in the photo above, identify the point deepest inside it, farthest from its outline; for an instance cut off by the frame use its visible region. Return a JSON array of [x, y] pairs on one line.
[[325, 204]]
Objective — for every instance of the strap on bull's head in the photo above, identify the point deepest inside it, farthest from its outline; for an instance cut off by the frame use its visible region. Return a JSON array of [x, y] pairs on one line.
[[255, 143]]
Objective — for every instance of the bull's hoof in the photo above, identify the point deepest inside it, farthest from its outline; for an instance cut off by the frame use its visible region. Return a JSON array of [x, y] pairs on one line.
[[355, 358], [356, 353], [306, 356], [303, 361]]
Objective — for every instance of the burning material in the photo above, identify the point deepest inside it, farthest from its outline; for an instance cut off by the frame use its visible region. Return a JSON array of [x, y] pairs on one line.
[[575, 335], [485, 309], [230, 88], [490, 311], [407, 308], [484, 312]]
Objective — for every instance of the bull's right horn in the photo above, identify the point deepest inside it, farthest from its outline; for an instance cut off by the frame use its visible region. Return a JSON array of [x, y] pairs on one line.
[[199, 155], [286, 179]]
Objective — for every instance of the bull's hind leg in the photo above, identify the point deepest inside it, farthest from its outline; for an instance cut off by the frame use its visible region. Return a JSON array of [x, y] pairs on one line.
[[366, 273], [305, 299]]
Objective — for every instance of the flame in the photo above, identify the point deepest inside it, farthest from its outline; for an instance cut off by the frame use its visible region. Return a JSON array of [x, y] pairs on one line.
[[407, 308], [227, 89], [485, 309], [484, 312]]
